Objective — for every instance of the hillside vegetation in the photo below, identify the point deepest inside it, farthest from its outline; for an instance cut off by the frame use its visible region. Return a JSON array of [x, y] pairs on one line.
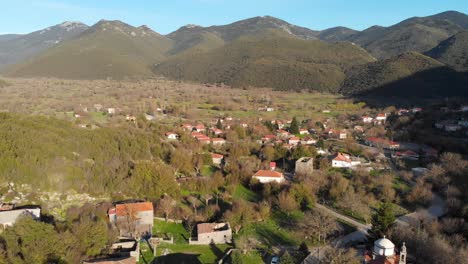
[[418, 34], [50, 154], [110, 49], [271, 60], [453, 51], [366, 77], [409, 74]]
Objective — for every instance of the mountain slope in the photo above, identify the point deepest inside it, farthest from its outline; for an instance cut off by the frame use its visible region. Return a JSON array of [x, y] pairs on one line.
[[415, 34], [16, 48], [273, 59], [453, 51], [409, 74], [191, 36], [336, 34], [109, 49]]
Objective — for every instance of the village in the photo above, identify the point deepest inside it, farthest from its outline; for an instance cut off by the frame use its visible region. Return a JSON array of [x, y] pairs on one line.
[[288, 153]]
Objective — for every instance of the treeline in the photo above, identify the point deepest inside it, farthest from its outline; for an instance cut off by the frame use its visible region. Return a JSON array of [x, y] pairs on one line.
[[85, 234]]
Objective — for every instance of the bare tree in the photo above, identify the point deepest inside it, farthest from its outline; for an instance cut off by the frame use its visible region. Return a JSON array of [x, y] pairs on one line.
[[167, 206]]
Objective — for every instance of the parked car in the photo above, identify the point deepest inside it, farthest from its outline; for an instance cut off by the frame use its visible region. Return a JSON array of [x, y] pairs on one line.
[[274, 260]]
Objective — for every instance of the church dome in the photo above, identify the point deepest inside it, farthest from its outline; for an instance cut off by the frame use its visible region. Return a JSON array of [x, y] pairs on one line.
[[384, 247]]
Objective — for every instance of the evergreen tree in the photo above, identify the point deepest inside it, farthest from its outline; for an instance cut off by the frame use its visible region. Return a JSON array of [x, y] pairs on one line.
[[294, 128], [383, 220], [219, 125], [287, 259]]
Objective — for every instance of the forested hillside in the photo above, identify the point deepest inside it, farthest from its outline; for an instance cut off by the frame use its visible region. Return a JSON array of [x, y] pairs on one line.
[[51, 154], [270, 60]]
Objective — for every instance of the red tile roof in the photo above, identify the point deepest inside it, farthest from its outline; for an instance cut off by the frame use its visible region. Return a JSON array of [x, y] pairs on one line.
[[124, 209], [268, 173], [216, 156], [341, 157]]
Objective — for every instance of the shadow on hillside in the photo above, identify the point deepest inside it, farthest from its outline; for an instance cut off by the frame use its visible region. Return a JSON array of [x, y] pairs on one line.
[[421, 88]]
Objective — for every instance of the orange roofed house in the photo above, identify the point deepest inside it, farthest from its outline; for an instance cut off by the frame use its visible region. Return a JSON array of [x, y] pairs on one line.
[[267, 176], [133, 219]]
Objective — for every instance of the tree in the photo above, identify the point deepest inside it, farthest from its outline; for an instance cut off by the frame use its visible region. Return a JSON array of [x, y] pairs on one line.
[[194, 202], [29, 241], [341, 256], [383, 220], [167, 206], [294, 128], [219, 125], [287, 203], [287, 259], [317, 224], [236, 257], [240, 215]]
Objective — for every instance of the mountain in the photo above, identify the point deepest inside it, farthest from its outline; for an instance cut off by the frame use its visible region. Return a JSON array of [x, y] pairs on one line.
[[454, 17], [273, 59], [109, 49], [453, 51], [16, 48], [196, 36], [336, 34], [415, 34], [409, 74]]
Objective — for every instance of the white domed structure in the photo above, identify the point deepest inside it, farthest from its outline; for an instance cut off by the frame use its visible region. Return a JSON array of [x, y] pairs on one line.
[[384, 247]]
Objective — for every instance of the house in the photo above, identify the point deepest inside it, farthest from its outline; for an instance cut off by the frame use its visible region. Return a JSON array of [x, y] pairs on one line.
[[340, 134], [171, 135], [308, 141], [381, 118], [303, 131], [282, 133], [268, 138], [200, 128], [381, 142], [218, 141], [326, 111], [9, 214], [203, 139], [367, 119], [267, 176], [217, 158], [409, 154], [187, 127], [464, 108], [416, 110], [216, 131], [321, 151], [294, 141], [212, 233], [278, 123], [403, 111], [359, 129], [304, 166], [342, 160], [111, 111], [244, 125], [133, 218]]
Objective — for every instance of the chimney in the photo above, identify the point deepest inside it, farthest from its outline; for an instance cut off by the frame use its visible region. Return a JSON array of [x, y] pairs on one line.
[[272, 166]]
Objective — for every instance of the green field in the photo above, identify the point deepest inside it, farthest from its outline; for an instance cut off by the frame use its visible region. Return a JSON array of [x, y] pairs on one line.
[[162, 229], [242, 192]]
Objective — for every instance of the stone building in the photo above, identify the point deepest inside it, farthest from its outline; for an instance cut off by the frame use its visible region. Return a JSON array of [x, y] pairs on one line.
[[208, 233], [304, 166]]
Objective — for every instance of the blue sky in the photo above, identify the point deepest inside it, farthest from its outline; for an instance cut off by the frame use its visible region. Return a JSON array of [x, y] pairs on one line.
[[164, 16]]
